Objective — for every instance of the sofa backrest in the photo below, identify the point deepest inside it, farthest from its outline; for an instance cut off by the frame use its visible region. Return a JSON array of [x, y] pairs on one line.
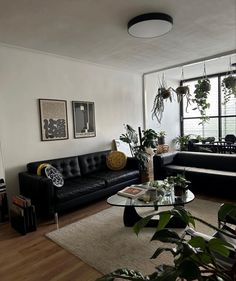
[[69, 166], [206, 160], [93, 162]]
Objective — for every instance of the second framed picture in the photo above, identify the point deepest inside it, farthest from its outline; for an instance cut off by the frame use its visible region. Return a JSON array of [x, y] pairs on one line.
[[84, 119]]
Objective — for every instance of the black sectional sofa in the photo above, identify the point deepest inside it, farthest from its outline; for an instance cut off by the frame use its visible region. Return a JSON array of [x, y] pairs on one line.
[[86, 178], [210, 173]]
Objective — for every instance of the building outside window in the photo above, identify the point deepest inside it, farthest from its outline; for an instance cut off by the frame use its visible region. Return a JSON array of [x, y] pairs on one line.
[[222, 116]]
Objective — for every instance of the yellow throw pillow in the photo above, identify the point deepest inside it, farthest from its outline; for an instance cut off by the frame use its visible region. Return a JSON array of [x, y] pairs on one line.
[[41, 167], [116, 160]]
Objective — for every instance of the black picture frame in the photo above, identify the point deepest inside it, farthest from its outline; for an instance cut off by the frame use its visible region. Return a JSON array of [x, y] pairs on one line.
[[53, 119], [84, 119]]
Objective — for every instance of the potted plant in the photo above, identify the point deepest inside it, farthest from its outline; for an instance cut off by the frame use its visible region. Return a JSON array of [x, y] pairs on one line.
[[161, 137], [180, 184], [202, 91], [163, 94], [141, 148], [182, 141], [229, 87], [193, 259]]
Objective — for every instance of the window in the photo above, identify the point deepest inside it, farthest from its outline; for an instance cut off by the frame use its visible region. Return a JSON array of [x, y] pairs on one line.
[[222, 117]]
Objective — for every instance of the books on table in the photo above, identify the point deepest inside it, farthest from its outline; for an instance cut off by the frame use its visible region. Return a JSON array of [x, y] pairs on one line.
[[132, 192]]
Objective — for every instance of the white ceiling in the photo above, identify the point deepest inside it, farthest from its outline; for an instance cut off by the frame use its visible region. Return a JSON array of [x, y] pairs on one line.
[[96, 30]]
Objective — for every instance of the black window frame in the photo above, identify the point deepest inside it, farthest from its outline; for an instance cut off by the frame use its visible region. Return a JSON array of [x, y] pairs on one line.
[[219, 116]]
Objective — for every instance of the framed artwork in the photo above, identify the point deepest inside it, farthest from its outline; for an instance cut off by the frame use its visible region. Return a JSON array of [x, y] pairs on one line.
[[53, 119], [84, 119]]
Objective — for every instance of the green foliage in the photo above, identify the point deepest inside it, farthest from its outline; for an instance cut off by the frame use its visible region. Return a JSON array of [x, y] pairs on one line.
[[192, 258], [229, 87], [182, 141], [202, 90], [138, 147], [179, 180]]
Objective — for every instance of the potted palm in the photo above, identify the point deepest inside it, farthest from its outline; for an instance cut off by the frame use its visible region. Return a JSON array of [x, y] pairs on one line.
[[182, 141]]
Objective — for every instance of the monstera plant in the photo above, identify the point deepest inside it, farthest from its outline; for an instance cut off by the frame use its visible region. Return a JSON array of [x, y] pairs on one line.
[[193, 259]]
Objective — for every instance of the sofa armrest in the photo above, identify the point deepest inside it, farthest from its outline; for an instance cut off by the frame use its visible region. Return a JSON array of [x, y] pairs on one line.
[[41, 192], [159, 162], [132, 163]]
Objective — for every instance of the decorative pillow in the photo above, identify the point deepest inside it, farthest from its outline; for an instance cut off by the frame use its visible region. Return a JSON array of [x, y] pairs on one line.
[[41, 169], [116, 160], [53, 174]]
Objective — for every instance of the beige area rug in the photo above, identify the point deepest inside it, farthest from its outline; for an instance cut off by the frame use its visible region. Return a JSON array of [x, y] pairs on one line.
[[103, 242]]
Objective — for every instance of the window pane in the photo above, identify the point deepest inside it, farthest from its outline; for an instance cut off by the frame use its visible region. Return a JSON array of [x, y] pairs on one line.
[[228, 126], [209, 129], [212, 99]]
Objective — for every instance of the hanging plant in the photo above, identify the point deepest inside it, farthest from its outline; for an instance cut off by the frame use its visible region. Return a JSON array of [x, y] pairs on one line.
[[183, 91], [163, 93], [229, 85], [202, 91]]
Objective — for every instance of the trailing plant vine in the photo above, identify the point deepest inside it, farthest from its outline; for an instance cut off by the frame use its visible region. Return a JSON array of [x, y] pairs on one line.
[[202, 91], [229, 85]]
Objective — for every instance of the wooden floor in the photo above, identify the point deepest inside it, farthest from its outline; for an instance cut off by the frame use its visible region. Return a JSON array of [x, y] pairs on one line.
[[33, 257]]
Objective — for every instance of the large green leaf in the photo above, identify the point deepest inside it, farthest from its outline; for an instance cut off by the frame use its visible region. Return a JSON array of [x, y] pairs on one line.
[[227, 210], [164, 218], [161, 250], [220, 246], [141, 223], [166, 235]]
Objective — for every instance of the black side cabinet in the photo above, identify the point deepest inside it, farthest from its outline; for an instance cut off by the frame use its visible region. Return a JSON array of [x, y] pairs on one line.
[[3, 201]]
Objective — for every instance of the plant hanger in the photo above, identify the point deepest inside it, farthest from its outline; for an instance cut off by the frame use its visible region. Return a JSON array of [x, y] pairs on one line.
[[201, 93], [183, 91], [163, 93], [229, 84]]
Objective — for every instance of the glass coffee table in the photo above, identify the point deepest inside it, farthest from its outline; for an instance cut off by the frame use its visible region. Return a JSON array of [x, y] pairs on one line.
[[130, 215]]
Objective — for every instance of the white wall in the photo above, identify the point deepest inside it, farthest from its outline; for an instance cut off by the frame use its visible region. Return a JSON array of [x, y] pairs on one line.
[[26, 76], [170, 120]]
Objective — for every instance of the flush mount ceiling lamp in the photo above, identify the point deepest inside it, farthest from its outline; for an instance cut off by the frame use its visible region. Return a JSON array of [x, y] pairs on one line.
[[150, 25]]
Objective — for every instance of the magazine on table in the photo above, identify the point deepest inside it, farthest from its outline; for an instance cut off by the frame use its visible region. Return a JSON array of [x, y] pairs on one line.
[[131, 191]]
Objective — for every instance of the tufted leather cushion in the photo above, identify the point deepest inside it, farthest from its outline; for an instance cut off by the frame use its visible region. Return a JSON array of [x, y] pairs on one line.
[[68, 167], [93, 162], [116, 160], [79, 186]]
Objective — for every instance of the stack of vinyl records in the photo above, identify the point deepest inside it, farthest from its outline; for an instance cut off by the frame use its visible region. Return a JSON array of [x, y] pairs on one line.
[[22, 214]]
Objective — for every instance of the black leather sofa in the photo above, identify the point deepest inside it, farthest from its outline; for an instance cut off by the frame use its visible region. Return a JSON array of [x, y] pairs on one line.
[[210, 173], [86, 178]]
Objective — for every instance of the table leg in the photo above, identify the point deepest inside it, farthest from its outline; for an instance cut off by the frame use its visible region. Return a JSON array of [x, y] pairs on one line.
[[130, 217]]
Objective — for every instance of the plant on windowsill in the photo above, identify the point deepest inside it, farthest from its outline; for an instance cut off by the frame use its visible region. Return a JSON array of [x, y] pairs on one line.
[[193, 259], [182, 141]]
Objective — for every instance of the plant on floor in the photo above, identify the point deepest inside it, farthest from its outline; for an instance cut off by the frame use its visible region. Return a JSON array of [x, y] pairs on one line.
[[193, 259], [139, 144], [182, 141]]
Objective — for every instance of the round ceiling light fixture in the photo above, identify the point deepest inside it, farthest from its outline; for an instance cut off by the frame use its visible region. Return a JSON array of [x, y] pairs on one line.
[[150, 25]]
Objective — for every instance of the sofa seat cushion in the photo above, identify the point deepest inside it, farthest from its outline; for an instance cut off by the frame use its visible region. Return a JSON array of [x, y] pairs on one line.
[[78, 187], [200, 171], [115, 177]]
